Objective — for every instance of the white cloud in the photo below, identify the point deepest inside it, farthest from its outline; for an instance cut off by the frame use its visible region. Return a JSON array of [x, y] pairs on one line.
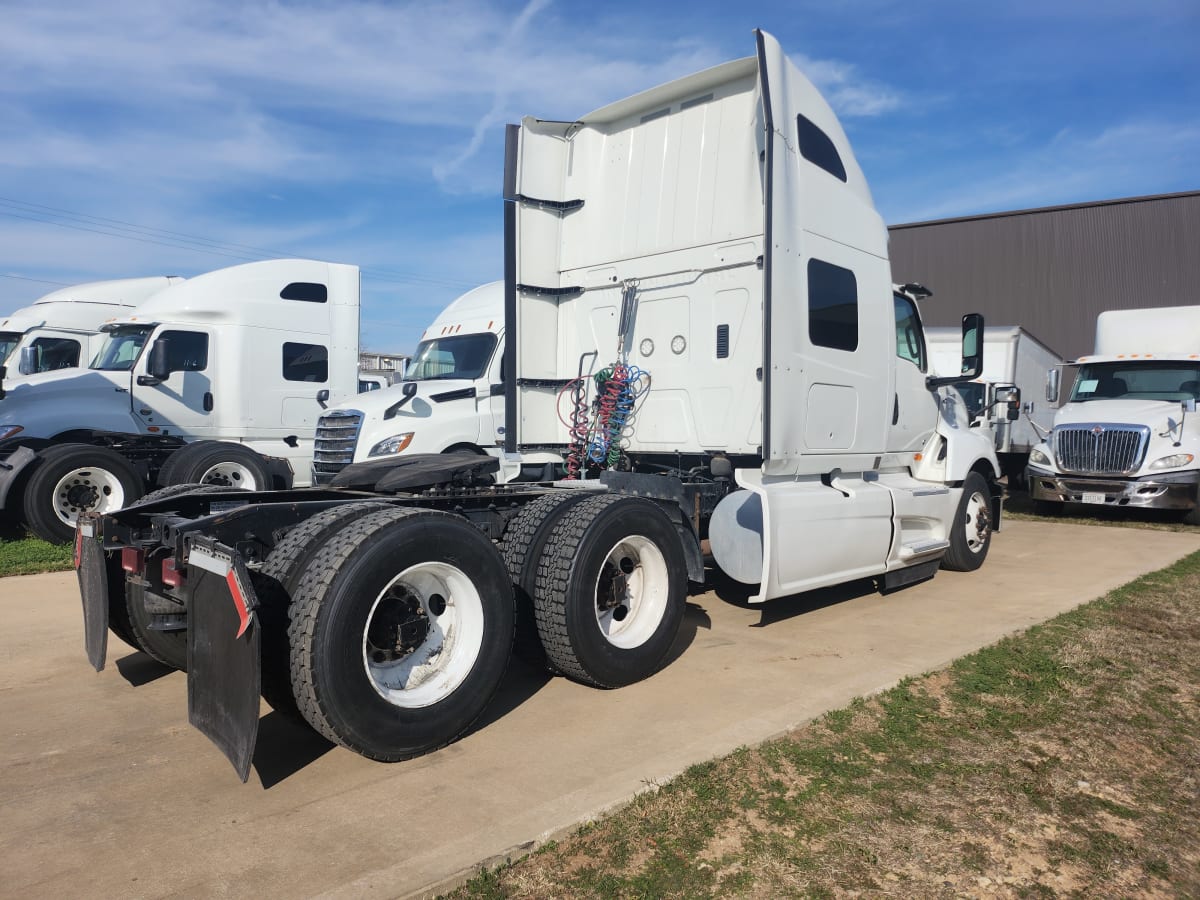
[[850, 93]]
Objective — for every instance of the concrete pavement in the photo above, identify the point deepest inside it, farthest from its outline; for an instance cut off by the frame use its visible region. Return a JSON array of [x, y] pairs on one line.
[[106, 791]]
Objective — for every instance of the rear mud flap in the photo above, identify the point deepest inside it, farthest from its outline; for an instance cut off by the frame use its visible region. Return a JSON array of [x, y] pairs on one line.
[[92, 568], [224, 667]]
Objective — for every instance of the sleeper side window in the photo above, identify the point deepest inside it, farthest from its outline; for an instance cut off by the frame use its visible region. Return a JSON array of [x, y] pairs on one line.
[[305, 362], [832, 306], [817, 147]]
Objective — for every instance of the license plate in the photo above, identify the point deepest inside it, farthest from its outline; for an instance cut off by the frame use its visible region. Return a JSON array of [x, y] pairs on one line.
[[1092, 497]]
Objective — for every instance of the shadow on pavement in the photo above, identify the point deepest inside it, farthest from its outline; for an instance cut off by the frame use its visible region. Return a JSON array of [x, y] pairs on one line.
[[782, 608], [520, 682], [695, 617], [284, 747], [138, 669]]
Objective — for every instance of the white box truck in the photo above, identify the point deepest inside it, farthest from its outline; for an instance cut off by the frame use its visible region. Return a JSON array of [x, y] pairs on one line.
[[697, 280], [61, 330], [1007, 396], [1128, 435], [218, 379]]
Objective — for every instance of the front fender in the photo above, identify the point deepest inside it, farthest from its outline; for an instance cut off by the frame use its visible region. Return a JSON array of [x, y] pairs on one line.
[[965, 446], [11, 468]]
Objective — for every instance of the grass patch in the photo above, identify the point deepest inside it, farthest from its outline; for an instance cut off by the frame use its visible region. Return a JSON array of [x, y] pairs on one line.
[[30, 555], [1062, 762]]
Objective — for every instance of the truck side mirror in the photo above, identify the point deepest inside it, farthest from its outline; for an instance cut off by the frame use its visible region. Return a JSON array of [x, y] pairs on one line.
[[29, 361], [3, 375], [972, 354], [1010, 396], [158, 366], [972, 345], [1053, 380], [323, 397]]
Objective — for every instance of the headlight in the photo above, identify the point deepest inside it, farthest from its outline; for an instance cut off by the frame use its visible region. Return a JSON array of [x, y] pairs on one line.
[[1172, 462], [1038, 457], [11, 431], [395, 444]]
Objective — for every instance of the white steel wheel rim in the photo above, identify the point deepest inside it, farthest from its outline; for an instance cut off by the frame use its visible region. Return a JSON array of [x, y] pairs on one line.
[[87, 489], [230, 474], [437, 648], [978, 522], [631, 592]]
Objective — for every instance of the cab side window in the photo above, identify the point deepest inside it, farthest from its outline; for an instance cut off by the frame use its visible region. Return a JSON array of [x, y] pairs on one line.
[[910, 341], [187, 351], [55, 353]]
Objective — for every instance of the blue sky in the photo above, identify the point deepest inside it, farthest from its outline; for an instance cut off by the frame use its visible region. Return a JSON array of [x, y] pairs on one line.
[[180, 136]]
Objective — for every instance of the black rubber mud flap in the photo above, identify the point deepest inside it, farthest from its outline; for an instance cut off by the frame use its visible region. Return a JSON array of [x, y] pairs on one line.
[[224, 663], [92, 569]]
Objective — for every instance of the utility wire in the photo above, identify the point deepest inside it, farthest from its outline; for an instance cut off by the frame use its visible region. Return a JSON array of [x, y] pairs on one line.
[[48, 215], [38, 280]]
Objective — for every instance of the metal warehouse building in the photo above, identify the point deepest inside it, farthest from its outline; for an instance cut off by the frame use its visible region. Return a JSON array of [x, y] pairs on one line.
[[1053, 270]]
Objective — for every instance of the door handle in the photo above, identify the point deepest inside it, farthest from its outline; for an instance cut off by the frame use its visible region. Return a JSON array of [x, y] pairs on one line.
[[896, 410], [208, 401]]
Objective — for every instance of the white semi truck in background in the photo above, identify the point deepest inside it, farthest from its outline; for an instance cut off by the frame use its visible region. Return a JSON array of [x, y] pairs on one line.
[[61, 330], [1007, 396], [217, 379], [451, 399], [1128, 435], [699, 318]]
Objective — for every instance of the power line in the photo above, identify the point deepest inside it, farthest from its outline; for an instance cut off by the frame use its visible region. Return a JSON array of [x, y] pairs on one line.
[[47, 215], [38, 280]]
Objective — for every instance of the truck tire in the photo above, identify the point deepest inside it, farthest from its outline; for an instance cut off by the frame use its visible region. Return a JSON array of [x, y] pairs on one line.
[[118, 610], [274, 583], [385, 593], [74, 478], [971, 530], [216, 462], [521, 548], [611, 589], [166, 647], [174, 490]]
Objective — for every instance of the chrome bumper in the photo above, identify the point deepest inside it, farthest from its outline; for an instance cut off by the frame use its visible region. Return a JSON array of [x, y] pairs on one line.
[[1176, 491]]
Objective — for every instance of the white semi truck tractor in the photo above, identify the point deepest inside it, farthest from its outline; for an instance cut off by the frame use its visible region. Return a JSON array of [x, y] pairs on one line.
[[700, 320], [61, 330], [451, 399], [1128, 435], [218, 379]]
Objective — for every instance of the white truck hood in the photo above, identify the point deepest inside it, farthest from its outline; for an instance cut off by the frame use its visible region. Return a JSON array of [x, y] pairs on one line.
[[53, 402], [1119, 412], [373, 404]]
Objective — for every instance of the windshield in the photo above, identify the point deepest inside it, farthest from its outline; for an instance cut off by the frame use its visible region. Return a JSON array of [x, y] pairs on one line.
[[460, 356], [1167, 380], [8, 343], [121, 348]]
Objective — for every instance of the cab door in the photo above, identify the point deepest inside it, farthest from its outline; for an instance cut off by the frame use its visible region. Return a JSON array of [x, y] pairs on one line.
[[182, 402], [491, 400], [914, 405]]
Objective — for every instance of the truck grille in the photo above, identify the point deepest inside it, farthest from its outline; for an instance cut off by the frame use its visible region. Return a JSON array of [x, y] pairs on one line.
[[333, 448], [1097, 449]]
